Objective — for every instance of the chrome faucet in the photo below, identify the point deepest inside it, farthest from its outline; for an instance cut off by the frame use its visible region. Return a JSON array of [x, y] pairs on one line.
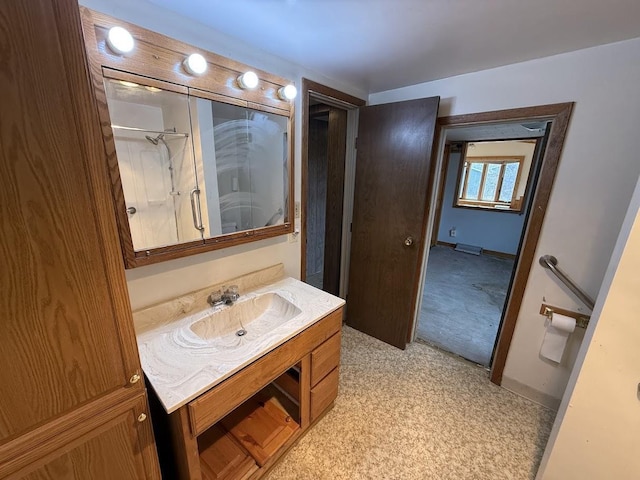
[[226, 297]]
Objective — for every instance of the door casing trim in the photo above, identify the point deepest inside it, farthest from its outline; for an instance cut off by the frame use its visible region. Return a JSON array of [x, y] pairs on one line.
[[335, 98]]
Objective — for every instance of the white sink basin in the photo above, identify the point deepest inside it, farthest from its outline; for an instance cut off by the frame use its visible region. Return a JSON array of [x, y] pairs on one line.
[[187, 347], [245, 321]]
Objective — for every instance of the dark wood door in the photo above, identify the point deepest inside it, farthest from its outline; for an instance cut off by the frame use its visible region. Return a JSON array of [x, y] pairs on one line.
[[336, 149], [392, 176]]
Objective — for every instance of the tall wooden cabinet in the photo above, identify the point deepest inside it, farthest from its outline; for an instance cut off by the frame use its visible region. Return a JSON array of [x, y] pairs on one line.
[[72, 400]]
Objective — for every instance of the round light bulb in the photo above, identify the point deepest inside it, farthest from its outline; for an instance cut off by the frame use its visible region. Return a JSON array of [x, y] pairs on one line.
[[248, 80], [119, 40], [195, 64], [288, 93]]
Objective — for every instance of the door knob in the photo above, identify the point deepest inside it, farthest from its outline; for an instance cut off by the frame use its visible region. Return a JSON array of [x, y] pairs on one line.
[[131, 210], [408, 241]]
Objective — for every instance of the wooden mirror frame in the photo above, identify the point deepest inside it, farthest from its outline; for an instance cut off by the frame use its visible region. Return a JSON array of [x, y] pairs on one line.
[[159, 58]]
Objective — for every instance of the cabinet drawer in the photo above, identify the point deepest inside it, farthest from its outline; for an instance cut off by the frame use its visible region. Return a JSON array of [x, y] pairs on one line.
[[325, 358], [324, 393]]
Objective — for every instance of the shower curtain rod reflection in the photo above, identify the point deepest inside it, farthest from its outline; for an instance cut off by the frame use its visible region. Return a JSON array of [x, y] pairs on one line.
[[134, 129]]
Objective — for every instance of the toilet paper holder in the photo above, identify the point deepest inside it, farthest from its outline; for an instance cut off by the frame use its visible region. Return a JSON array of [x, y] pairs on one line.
[[581, 320]]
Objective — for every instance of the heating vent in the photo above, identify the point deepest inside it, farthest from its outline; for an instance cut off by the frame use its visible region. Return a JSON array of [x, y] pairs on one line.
[[472, 249]]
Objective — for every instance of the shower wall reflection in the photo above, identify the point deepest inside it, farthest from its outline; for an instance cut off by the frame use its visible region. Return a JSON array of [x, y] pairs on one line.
[[244, 155], [192, 168]]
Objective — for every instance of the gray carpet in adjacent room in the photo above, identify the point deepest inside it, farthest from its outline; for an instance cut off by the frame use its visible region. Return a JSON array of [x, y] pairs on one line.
[[418, 414], [462, 302]]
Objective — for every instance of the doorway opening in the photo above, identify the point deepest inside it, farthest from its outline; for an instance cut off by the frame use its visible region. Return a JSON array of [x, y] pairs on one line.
[[329, 122], [556, 117], [485, 193]]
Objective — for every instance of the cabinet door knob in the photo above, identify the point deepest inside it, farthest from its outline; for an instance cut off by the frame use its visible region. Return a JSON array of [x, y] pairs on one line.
[[134, 378], [142, 417], [408, 241]]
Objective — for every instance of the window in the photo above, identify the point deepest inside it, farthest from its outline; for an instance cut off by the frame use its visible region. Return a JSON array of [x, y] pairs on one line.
[[490, 182], [493, 175]]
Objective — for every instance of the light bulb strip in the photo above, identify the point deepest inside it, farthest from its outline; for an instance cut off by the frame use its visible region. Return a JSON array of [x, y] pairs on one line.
[[121, 42]]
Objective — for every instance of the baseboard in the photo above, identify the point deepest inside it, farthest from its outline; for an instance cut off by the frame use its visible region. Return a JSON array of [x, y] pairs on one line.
[[530, 393], [493, 253]]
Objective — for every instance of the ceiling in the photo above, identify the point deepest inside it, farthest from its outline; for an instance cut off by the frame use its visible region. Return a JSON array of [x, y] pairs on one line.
[[378, 45]]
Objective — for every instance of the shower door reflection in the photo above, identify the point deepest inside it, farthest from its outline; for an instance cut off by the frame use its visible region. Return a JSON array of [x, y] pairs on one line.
[[156, 161], [244, 155]]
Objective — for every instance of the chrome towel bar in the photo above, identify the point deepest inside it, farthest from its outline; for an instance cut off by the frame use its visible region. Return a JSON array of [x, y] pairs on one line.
[[551, 262]]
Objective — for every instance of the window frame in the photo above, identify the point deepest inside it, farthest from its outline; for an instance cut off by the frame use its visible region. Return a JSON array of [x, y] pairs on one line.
[[491, 206]]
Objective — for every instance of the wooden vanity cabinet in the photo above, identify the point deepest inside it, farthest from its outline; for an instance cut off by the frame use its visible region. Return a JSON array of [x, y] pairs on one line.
[[103, 450], [73, 404], [241, 427]]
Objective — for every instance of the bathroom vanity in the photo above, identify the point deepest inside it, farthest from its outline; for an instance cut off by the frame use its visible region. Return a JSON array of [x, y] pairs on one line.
[[240, 384]]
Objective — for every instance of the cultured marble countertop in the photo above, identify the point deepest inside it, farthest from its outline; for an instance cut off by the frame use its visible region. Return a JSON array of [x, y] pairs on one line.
[[181, 366]]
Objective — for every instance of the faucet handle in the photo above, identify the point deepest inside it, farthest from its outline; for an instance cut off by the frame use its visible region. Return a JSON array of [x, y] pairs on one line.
[[231, 289], [215, 298], [230, 294]]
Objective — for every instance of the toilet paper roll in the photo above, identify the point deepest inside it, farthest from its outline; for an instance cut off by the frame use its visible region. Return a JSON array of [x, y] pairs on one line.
[[556, 336]]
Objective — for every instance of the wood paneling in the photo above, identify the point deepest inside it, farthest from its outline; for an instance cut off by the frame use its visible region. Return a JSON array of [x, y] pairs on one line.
[[65, 307], [390, 205]]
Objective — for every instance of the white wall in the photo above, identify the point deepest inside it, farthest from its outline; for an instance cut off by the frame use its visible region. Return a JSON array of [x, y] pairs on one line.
[[497, 231], [597, 173], [597, 430], [152, 284]]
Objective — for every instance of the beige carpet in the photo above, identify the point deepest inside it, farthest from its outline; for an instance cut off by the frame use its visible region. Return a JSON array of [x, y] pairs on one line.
[[418, 414]]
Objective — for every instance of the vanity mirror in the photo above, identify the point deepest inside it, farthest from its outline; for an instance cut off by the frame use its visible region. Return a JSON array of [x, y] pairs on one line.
[[197, 161]]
